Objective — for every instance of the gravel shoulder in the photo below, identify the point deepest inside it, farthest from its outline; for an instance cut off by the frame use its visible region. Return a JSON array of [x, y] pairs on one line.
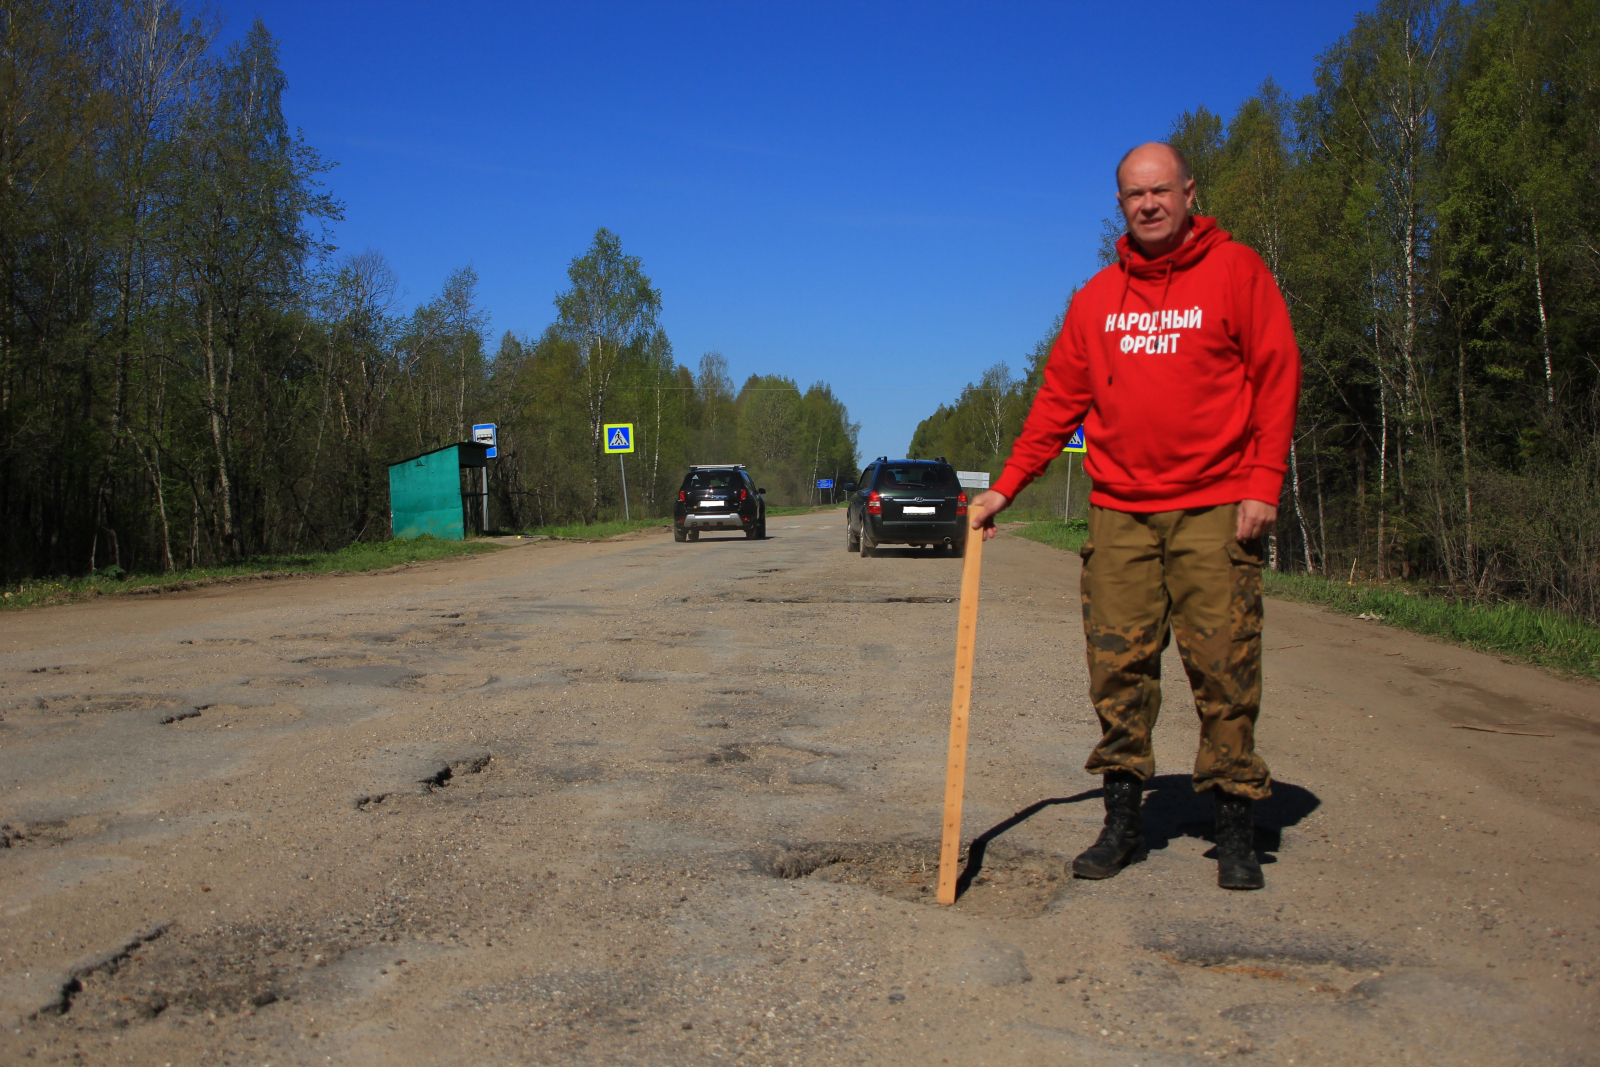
[[657, 803]]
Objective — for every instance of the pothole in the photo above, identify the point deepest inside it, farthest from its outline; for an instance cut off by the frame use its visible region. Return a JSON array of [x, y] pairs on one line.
[[98, 703], [1222, 944], [220, 971], [444, 683], [235, 717], [336, 659], [1009, 882], [283, 681], [418, 775], [19, 834], [850, 599]]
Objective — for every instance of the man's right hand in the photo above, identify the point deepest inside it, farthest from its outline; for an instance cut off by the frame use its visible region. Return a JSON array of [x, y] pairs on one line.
[[984, 507]]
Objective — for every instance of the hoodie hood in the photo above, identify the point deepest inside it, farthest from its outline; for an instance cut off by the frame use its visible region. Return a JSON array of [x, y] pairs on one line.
[[1206, 235]]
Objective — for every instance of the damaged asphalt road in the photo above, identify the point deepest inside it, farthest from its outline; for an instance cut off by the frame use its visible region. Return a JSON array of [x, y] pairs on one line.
[[658, 803]]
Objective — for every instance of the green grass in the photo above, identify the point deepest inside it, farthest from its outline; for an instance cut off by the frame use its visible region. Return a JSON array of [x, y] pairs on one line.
[[599, 531], [1543, 637], [807, 509], [596, 531], [1068, 536], [362, 556], [1508, 629]]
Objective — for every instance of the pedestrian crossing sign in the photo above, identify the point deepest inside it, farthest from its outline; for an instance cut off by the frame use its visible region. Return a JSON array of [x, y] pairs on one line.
[[1075, 442], [618, 437]]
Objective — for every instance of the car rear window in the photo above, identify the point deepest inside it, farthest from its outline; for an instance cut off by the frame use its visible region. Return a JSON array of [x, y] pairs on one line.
[[713, 480], [908, 476]]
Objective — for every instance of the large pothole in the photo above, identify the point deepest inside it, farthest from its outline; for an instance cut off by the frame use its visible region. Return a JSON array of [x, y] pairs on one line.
[[1005, 881]]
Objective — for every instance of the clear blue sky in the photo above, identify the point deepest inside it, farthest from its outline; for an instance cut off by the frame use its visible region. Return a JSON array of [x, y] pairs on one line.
[[886, 197]]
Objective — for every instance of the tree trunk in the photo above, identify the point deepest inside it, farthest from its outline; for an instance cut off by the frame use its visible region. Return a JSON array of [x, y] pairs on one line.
[[1544, 322], [216, 404], [1466, 461], [1383, 474], [1299, 512]]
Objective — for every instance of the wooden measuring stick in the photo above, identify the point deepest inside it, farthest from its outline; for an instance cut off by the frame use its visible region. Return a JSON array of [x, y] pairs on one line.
[[955, 773]]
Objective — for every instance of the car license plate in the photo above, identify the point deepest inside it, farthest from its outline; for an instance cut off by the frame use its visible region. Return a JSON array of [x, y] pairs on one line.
[[919, 511], [711, 503]]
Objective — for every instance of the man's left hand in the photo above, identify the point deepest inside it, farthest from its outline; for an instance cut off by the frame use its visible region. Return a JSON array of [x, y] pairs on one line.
[[1255, 518]]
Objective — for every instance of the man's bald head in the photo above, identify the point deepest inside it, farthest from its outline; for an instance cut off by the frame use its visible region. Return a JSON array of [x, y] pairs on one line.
[[1156, 152], [1156, 192]]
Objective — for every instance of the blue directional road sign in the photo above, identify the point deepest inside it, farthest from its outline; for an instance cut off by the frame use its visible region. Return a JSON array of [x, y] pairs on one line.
[[824, 483], [618, 437], [1075, 443], [484, 433]]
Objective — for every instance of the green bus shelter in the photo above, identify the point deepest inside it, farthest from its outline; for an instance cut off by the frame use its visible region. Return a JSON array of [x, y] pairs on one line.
[[426, 493]]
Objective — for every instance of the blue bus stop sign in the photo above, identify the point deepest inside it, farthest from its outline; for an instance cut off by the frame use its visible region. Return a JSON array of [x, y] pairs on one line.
[[484, 433]]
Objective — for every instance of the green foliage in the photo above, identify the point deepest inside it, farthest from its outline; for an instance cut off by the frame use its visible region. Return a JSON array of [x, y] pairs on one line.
[[598, 531], [1547, 638], [975, 433], [1067, 536], [1429, 212], [189, 378], [362, 556]]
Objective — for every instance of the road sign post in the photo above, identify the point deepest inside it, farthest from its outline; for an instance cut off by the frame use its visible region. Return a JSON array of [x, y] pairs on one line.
[[1075, 444], [485, 433], [619, 440]]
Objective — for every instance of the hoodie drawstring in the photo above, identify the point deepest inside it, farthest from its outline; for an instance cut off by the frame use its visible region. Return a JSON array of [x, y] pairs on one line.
[[1127, 283]]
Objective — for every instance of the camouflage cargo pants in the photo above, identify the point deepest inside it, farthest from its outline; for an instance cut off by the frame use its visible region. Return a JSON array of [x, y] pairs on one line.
[[1145, 576]]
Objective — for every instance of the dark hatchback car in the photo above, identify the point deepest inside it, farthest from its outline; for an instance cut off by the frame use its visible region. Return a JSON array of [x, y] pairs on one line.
[[718, 496], [907, 502]]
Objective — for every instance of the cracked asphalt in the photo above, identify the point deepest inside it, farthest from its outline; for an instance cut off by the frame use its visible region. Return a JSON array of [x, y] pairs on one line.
[[653, 803]]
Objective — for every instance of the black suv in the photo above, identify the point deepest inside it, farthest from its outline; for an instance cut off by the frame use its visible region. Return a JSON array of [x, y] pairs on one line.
[[719, 496], [906, 502]]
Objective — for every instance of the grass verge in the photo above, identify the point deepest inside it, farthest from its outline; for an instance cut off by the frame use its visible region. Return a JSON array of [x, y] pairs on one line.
[[1543, 637], [599, 531], [807, 509], [362, 556], [596, 531], [1067, 536]]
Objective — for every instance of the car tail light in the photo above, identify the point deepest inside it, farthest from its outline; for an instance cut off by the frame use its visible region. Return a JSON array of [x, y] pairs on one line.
[[682, 495], [743, 493], [961, 503], [874, 504]]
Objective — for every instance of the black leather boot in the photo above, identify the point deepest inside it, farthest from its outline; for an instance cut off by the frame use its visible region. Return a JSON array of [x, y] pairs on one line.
[[1122, 841], [1237, 866]]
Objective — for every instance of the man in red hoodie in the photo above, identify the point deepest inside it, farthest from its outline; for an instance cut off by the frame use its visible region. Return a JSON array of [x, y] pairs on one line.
[[1180, 362]]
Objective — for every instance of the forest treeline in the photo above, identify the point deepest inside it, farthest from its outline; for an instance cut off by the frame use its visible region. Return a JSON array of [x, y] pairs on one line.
[[1431, 212], [191, 372]]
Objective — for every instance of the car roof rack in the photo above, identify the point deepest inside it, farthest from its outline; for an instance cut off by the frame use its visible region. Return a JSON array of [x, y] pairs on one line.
[[716, 466]]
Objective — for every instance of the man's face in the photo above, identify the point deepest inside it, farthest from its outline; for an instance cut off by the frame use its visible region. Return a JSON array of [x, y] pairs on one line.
[[1155, 200]]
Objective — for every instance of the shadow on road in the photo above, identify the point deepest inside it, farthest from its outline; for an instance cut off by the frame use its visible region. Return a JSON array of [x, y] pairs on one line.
[[1171, 809], [980, 843]]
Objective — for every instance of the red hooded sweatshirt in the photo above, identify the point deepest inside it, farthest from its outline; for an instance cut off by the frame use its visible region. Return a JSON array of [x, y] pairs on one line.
[[1184, 373]]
